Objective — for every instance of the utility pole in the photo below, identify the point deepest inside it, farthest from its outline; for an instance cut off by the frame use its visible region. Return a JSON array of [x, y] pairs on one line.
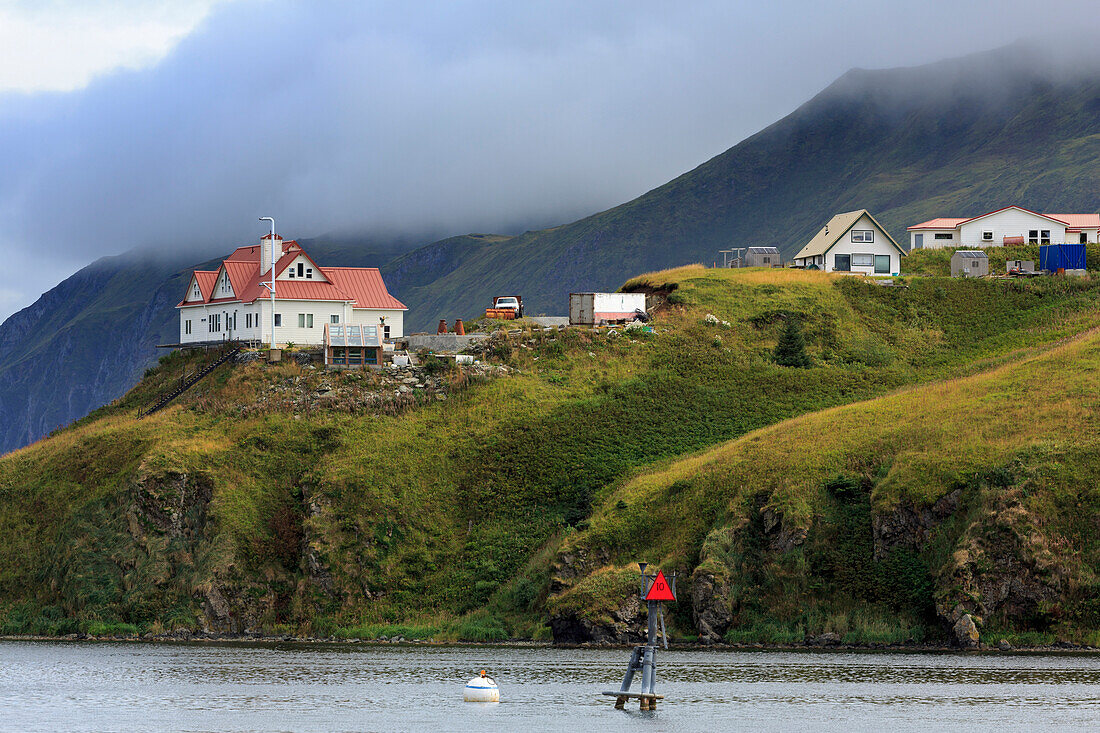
[[734, 261], [271, 285]]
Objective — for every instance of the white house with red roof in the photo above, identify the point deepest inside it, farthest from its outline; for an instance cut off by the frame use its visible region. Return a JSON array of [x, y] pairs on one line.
[[1010, 225], [234, 302]]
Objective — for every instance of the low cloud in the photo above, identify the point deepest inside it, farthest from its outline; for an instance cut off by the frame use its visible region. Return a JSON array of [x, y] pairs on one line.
[[423, 117]]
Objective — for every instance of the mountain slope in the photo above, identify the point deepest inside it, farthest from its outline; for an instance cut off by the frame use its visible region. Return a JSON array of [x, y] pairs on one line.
[[957, 138]]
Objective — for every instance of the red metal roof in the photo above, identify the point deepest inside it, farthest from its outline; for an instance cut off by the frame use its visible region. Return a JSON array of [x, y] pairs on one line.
[[1078, 221], [365, 286], [361, 286], [241, 274], [206, 280], [941, 223]]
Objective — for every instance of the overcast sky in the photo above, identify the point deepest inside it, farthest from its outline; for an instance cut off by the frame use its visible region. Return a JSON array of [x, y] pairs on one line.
[[175, 124]]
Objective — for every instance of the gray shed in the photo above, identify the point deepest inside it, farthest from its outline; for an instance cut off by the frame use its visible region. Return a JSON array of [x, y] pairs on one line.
[[969, 263], [763, 257]]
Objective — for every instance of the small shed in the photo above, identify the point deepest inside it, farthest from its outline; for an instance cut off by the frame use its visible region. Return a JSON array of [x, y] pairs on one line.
[[352, 345], [763, 257], [969, 263]]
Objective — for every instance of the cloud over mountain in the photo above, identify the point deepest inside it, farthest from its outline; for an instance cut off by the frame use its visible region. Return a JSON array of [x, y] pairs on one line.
[[418, 117]]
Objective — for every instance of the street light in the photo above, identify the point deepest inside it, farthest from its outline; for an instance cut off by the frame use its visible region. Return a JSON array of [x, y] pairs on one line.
[[271, 285]]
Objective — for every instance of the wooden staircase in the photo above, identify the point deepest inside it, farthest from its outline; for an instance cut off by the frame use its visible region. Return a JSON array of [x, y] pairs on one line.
[[189, 382]]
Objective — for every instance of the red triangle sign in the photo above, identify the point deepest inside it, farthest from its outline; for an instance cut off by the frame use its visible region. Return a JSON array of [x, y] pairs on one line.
[[660, 591]]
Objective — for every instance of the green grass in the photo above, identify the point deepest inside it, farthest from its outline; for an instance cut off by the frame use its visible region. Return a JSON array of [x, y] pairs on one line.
[[346, 518]]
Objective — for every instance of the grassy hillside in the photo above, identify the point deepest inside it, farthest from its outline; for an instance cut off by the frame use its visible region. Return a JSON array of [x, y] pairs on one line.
[[517, 500], [1013, 448], [956, 138]]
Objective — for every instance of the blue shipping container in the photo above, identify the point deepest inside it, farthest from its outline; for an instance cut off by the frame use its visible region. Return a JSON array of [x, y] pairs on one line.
[[1053, 257]]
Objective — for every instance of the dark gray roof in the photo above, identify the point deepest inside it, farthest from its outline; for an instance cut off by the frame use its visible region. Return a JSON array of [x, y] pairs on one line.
[[763, 250], [972, 254]]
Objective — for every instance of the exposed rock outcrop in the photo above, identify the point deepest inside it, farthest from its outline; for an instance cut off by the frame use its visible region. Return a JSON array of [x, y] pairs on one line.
[[624, 625], [1002, 567], [711, 605], [782, 534], [909, 526]]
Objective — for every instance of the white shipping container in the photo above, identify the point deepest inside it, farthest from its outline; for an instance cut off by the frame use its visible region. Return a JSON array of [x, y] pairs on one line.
[[590, 309]]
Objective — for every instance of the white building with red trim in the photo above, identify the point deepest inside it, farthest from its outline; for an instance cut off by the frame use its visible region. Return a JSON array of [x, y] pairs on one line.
[[1010, 225], [234, 302]]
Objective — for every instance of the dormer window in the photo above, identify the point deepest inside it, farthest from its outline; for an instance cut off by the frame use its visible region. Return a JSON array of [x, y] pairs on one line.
[[300, 266]]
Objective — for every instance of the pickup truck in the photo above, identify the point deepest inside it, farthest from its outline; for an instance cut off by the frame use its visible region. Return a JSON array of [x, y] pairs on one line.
[[506, 307]]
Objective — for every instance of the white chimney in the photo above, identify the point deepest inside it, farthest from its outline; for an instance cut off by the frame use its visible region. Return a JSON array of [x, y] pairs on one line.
[[266, 243]]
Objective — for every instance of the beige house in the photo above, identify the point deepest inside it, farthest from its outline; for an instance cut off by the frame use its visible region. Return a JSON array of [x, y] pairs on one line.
[[852, 242]]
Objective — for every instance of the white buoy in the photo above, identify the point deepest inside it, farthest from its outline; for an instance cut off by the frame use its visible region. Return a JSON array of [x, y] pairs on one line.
[[481, 689]]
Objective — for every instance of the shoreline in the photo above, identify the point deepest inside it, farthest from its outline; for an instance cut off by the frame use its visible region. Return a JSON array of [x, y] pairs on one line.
[[246, 640]]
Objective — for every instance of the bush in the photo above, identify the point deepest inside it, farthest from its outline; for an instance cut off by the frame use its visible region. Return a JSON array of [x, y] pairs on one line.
[[791, 349], [434, 365]]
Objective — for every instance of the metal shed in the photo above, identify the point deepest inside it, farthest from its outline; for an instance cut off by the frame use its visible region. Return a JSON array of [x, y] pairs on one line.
[[1068, 257], [763, 257], [969, 263]]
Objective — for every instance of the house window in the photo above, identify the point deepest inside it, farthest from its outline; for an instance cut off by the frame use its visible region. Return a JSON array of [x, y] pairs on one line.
[[842, 263], [1084, 238], [196, 293], [863, 260], [290, 273], [278, 319], [334, 319], [863, 235], [385, 332], [987, 235], [882, 264], [309, 273], [372, 356], [1033, 236], [1044, 236], [943, 235], [305, 320], [187, 327]]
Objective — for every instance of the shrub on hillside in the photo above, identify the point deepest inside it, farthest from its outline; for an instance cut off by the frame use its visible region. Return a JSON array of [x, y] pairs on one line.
[[791, 349]]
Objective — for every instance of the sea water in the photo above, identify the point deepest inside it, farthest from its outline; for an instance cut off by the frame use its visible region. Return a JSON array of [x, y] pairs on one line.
[[102, 686]]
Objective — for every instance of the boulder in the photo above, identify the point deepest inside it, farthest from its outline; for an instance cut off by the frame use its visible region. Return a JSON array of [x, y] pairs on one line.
[[966, 632]]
